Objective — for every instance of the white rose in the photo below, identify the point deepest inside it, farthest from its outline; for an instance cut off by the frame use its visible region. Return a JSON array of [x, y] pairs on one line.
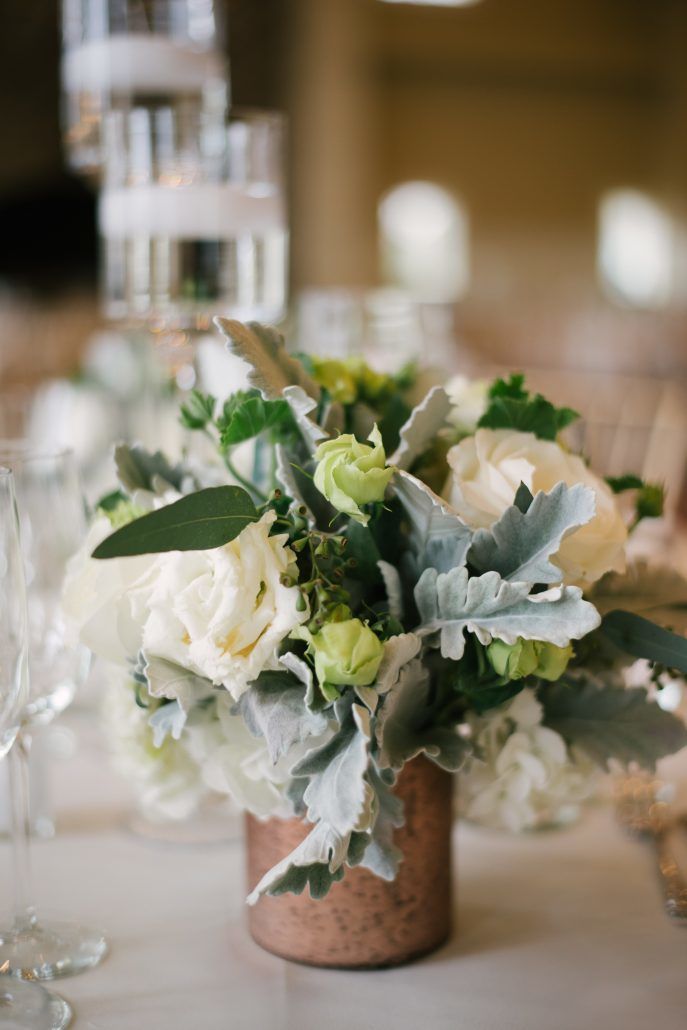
[[96, 599], [220, 613], [486, 471], [525, 776], [468, 402], [236, 763]]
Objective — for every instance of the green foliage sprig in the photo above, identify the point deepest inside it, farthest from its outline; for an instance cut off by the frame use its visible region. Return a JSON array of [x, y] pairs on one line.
[[511, 406]]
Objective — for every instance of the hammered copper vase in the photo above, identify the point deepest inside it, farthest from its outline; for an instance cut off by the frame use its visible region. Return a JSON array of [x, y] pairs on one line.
[[364, 922]]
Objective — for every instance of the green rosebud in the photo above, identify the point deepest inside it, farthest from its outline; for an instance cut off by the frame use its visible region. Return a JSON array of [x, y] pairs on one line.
[[336, 378], [350, 473], [529, 658], [346, 653]]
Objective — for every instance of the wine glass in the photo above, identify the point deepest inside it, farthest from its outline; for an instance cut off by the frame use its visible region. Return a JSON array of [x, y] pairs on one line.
[[21, 1004], [53, 524]]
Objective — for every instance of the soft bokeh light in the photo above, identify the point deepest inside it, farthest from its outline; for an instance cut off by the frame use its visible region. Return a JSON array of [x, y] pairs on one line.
[[636, 254], [424, 237]]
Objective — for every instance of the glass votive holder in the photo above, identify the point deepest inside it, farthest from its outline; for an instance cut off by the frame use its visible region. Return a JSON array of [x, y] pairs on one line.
[[120, 53], [192, 218]]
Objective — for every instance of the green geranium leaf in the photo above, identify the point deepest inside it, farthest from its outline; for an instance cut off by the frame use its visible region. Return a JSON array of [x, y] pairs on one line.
[[252, 417], [139, 469], [611, 722], [512, 407], [619, 484], [452, 603], [198, 410], [518, 546], [197, 522], [643, 639]]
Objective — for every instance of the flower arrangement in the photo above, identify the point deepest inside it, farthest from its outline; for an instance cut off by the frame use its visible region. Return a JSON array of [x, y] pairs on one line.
[[446, 580]]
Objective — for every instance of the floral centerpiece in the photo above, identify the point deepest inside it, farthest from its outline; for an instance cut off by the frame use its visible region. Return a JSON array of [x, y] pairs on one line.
[[393, 585]]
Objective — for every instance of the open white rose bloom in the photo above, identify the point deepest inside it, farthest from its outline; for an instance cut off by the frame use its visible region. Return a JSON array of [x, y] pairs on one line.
[[292, 638]]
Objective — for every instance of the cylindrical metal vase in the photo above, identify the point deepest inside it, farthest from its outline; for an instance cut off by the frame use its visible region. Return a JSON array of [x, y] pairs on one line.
[[364, 922]]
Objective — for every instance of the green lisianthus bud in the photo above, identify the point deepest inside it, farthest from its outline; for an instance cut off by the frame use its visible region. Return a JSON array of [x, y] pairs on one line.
[[350, 473], [336, 378], [529, 658], [346, 653]]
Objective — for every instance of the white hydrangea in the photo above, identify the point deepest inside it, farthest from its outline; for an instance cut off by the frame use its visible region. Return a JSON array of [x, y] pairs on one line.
[[526, 777], [236, 763], [167, 781]]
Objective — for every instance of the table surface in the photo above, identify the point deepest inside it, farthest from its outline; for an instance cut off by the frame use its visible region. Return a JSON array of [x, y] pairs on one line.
[[554, 931]]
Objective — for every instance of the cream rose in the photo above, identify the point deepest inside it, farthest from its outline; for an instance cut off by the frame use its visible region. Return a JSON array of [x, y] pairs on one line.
[[221, 613], [486, 471]]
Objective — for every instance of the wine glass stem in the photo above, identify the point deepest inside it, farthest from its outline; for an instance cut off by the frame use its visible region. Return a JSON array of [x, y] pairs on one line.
[[25, 913]]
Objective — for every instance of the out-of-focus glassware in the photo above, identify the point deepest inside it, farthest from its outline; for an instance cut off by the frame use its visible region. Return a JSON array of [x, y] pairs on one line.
[[53, 523], [21, 1005], [119, 53], [192, 219]]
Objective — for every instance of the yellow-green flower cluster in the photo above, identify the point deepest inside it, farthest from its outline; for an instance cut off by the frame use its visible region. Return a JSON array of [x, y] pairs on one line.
[[350, 380]]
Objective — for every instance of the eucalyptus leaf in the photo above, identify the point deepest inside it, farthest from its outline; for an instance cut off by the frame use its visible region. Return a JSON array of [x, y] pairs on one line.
[[275, 709], [272, 368], [452, 603], [641, 638], [439, 538], [518, 546], [197, 522], [612, 723], [405, 728], [422, 427]]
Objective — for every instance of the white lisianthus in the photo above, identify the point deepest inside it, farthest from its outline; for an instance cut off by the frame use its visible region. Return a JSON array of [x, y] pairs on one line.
[[486, 471], [525, 776], [220, 613], [167, 781], [96, 599], [236, 763], [468, 402]]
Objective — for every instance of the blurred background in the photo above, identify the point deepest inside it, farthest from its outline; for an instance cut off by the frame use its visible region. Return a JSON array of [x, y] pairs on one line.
[[514, 171]]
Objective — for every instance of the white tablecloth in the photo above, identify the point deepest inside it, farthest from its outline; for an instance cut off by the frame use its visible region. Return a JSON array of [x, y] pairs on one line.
[[556, 931]]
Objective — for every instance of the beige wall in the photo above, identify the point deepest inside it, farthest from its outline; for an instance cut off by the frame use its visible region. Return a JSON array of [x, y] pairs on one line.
[[527, 109]]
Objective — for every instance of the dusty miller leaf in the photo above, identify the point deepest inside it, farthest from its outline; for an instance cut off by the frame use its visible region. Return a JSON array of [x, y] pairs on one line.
[[272, 368], [317, 862], [393, 587], [439, 538], [167, 720], [338, 793], [381, 855], [275, 709], [421, 429], [301, 405], [405, 728], [610, 722], [658, 592], [169, 680], [488, 606], [398, 651], [518, 546]]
